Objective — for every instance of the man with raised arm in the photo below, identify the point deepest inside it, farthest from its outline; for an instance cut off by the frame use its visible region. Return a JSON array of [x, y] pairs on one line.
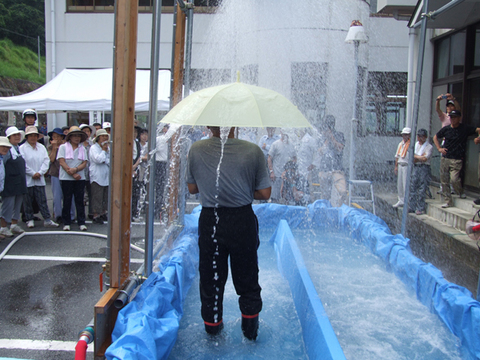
[[228, 177], [453, 152]]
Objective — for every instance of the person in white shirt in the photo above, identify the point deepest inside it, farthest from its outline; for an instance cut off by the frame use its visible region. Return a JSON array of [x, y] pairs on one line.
[[267, 140], [73, 159], [37, 163], [401, 162], [99, 158], [161, 169], [421, 173], [279, 154]]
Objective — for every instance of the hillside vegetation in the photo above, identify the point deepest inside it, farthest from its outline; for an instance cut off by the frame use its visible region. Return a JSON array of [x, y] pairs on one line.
[[19, 62]]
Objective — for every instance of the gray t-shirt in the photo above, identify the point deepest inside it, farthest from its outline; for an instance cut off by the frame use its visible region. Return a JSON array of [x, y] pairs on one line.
[[242, 171], [75, 162]]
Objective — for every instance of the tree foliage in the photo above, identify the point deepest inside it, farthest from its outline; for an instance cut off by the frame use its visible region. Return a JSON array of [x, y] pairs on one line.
[[22, 21]]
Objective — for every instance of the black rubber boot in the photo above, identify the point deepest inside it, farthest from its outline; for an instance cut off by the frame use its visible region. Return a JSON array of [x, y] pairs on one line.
[[250, 326], [213, 329]]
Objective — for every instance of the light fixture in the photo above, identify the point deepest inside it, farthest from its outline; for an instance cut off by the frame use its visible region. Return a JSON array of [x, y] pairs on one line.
[[356, 33]]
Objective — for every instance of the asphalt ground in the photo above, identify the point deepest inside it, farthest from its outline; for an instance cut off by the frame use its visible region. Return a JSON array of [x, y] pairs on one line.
[[49, 285]]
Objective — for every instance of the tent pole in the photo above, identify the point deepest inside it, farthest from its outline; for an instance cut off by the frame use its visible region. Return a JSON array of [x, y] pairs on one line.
[[416, 106]]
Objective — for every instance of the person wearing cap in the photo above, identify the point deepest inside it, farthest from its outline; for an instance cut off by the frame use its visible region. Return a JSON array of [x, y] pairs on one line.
[[90, 130], [57, 138], [107, 126], [281, 151], [421, 173], [453, 151], [29, 117], [99, 159], [401, 162], [43, 129], [36, 166], [15, 185], [73, 159], [451, 104]]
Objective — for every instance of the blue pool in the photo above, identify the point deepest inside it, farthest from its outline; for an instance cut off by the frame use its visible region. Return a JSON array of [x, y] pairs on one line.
[[410, 315]]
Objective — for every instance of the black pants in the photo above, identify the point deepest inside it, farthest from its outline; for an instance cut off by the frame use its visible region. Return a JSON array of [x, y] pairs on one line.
[[76, 189], [235, 235]]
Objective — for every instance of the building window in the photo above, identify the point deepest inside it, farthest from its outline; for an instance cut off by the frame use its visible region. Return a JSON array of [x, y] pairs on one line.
[[476, 51], [385, 108], [450, 55], [143, 5], [309, 88]]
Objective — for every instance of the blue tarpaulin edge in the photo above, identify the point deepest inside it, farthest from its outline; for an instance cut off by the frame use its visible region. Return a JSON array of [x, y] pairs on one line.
[[147, 327], [319, 338]]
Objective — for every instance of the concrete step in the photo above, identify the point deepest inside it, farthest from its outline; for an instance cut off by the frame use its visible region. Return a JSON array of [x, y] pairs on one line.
[[464, 204], [452, 216]]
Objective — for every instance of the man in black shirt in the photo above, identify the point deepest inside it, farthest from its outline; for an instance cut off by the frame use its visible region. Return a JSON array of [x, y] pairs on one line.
[[453, 153]]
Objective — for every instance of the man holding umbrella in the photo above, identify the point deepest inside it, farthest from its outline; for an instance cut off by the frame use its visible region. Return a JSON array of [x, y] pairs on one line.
[[227, 224]]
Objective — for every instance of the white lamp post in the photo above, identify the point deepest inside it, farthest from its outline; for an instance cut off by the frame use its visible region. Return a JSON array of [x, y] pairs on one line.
[[356, 35]]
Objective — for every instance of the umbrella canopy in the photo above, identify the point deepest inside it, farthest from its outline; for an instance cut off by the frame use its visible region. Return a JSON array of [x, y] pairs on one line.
[[236, 105]]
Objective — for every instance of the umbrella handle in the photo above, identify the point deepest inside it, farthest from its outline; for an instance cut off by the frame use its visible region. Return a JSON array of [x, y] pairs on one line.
[[238, 75]]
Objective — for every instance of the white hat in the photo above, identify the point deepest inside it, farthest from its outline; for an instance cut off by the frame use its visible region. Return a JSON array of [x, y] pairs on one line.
[[12, 130], [99, 133], [106, 125], [406, 130], [91, 127], [4, 141], [31, 130]]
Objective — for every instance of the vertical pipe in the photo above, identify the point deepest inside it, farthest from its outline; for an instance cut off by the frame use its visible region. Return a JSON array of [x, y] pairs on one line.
[[411, 79], [186, 91], [152, 134], [54, 52], [38, 53], [188, 52], [354, 120], [416, 106], [174, 32]]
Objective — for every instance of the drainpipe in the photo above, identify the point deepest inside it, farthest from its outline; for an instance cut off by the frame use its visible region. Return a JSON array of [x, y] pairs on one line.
[[411, 78], [54, 51], [418, 85]]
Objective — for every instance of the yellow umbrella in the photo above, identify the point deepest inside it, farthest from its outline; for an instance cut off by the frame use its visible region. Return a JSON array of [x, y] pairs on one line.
[[236, 105]]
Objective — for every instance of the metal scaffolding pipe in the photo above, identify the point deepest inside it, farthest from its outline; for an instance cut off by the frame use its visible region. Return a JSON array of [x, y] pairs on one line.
[[152, 134], [433, 14]]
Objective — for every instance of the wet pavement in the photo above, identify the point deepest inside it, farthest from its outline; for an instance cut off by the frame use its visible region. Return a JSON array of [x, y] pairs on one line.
[[50, 300]]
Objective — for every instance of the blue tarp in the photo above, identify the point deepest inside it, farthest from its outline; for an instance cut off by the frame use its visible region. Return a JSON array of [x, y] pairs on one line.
[[147, 327], [318, 335]]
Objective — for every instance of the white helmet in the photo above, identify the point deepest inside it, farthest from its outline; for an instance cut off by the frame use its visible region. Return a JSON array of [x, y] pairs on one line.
[[29, 112]]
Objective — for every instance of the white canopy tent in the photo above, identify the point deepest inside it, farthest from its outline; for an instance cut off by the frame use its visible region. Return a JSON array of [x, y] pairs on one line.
[[87, 90]]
